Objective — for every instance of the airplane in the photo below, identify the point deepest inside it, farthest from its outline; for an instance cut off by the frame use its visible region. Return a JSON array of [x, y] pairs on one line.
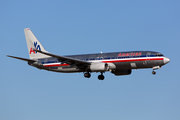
[[118, 63]]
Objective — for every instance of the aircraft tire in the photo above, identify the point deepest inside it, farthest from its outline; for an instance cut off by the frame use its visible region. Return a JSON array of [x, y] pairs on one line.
[[87, 75], [101, 77], [153, 72]]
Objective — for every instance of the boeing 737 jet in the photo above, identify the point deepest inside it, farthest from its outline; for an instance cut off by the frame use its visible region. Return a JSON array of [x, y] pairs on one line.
[[118, 63]]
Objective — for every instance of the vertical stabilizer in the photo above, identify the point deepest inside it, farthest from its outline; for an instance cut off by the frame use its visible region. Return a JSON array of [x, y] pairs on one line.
[[33, 43]]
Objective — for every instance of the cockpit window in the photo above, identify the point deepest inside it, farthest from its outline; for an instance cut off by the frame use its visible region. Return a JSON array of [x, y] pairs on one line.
[[159, 55]]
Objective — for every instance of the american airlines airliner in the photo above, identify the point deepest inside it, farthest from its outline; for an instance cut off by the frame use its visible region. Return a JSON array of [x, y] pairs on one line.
[[118, 63]]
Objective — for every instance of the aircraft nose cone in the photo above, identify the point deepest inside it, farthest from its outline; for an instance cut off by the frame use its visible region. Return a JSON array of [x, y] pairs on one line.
[[166, 60]]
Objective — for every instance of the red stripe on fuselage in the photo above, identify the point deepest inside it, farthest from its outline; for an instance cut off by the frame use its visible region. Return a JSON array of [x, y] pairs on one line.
[[132, 60], [56, 65]]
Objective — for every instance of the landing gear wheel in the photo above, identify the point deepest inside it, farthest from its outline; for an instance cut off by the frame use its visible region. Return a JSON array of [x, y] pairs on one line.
[[101, 77], [153, 72], [87, 75]]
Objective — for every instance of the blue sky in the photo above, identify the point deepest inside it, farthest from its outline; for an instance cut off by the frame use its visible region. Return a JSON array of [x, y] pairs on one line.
[[80, 27]]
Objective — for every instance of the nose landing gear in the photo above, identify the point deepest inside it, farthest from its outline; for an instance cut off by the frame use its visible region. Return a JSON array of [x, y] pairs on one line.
[[153, 72], [154, 68]]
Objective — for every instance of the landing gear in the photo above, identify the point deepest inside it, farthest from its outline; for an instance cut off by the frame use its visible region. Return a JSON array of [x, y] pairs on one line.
[[155, 68], [87, 75], [153, 72], [101, 77]]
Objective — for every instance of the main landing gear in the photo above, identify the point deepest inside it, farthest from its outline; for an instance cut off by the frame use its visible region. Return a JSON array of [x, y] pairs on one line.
[[88, 75], [101, 77]]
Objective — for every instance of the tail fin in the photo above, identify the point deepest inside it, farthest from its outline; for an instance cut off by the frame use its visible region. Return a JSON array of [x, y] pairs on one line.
[[33, 43]]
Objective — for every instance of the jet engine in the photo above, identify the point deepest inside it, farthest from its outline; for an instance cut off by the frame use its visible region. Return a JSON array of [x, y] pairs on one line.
[[99, 67], [122, 72]]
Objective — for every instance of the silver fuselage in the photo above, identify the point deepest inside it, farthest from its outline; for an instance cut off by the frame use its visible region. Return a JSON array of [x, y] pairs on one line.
[[116, 61]]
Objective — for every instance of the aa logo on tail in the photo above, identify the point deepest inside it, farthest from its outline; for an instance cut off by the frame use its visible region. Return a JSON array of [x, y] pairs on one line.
[[36, 46]]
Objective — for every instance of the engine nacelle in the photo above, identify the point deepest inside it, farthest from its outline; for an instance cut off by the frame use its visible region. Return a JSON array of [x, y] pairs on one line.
[[122, 72], [99, 67]]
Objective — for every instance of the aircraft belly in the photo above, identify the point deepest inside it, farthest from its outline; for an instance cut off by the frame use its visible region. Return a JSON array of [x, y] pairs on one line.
[[64, 69], [138, 64]]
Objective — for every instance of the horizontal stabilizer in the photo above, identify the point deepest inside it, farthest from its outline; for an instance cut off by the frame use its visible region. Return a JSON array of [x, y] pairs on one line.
[[24, 59]]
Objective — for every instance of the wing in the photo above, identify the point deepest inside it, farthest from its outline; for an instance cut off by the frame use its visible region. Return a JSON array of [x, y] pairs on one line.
[[24, 59], [68, 60]]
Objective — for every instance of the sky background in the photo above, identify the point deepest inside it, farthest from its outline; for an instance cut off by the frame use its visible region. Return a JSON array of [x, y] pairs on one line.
[[82, 27]]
